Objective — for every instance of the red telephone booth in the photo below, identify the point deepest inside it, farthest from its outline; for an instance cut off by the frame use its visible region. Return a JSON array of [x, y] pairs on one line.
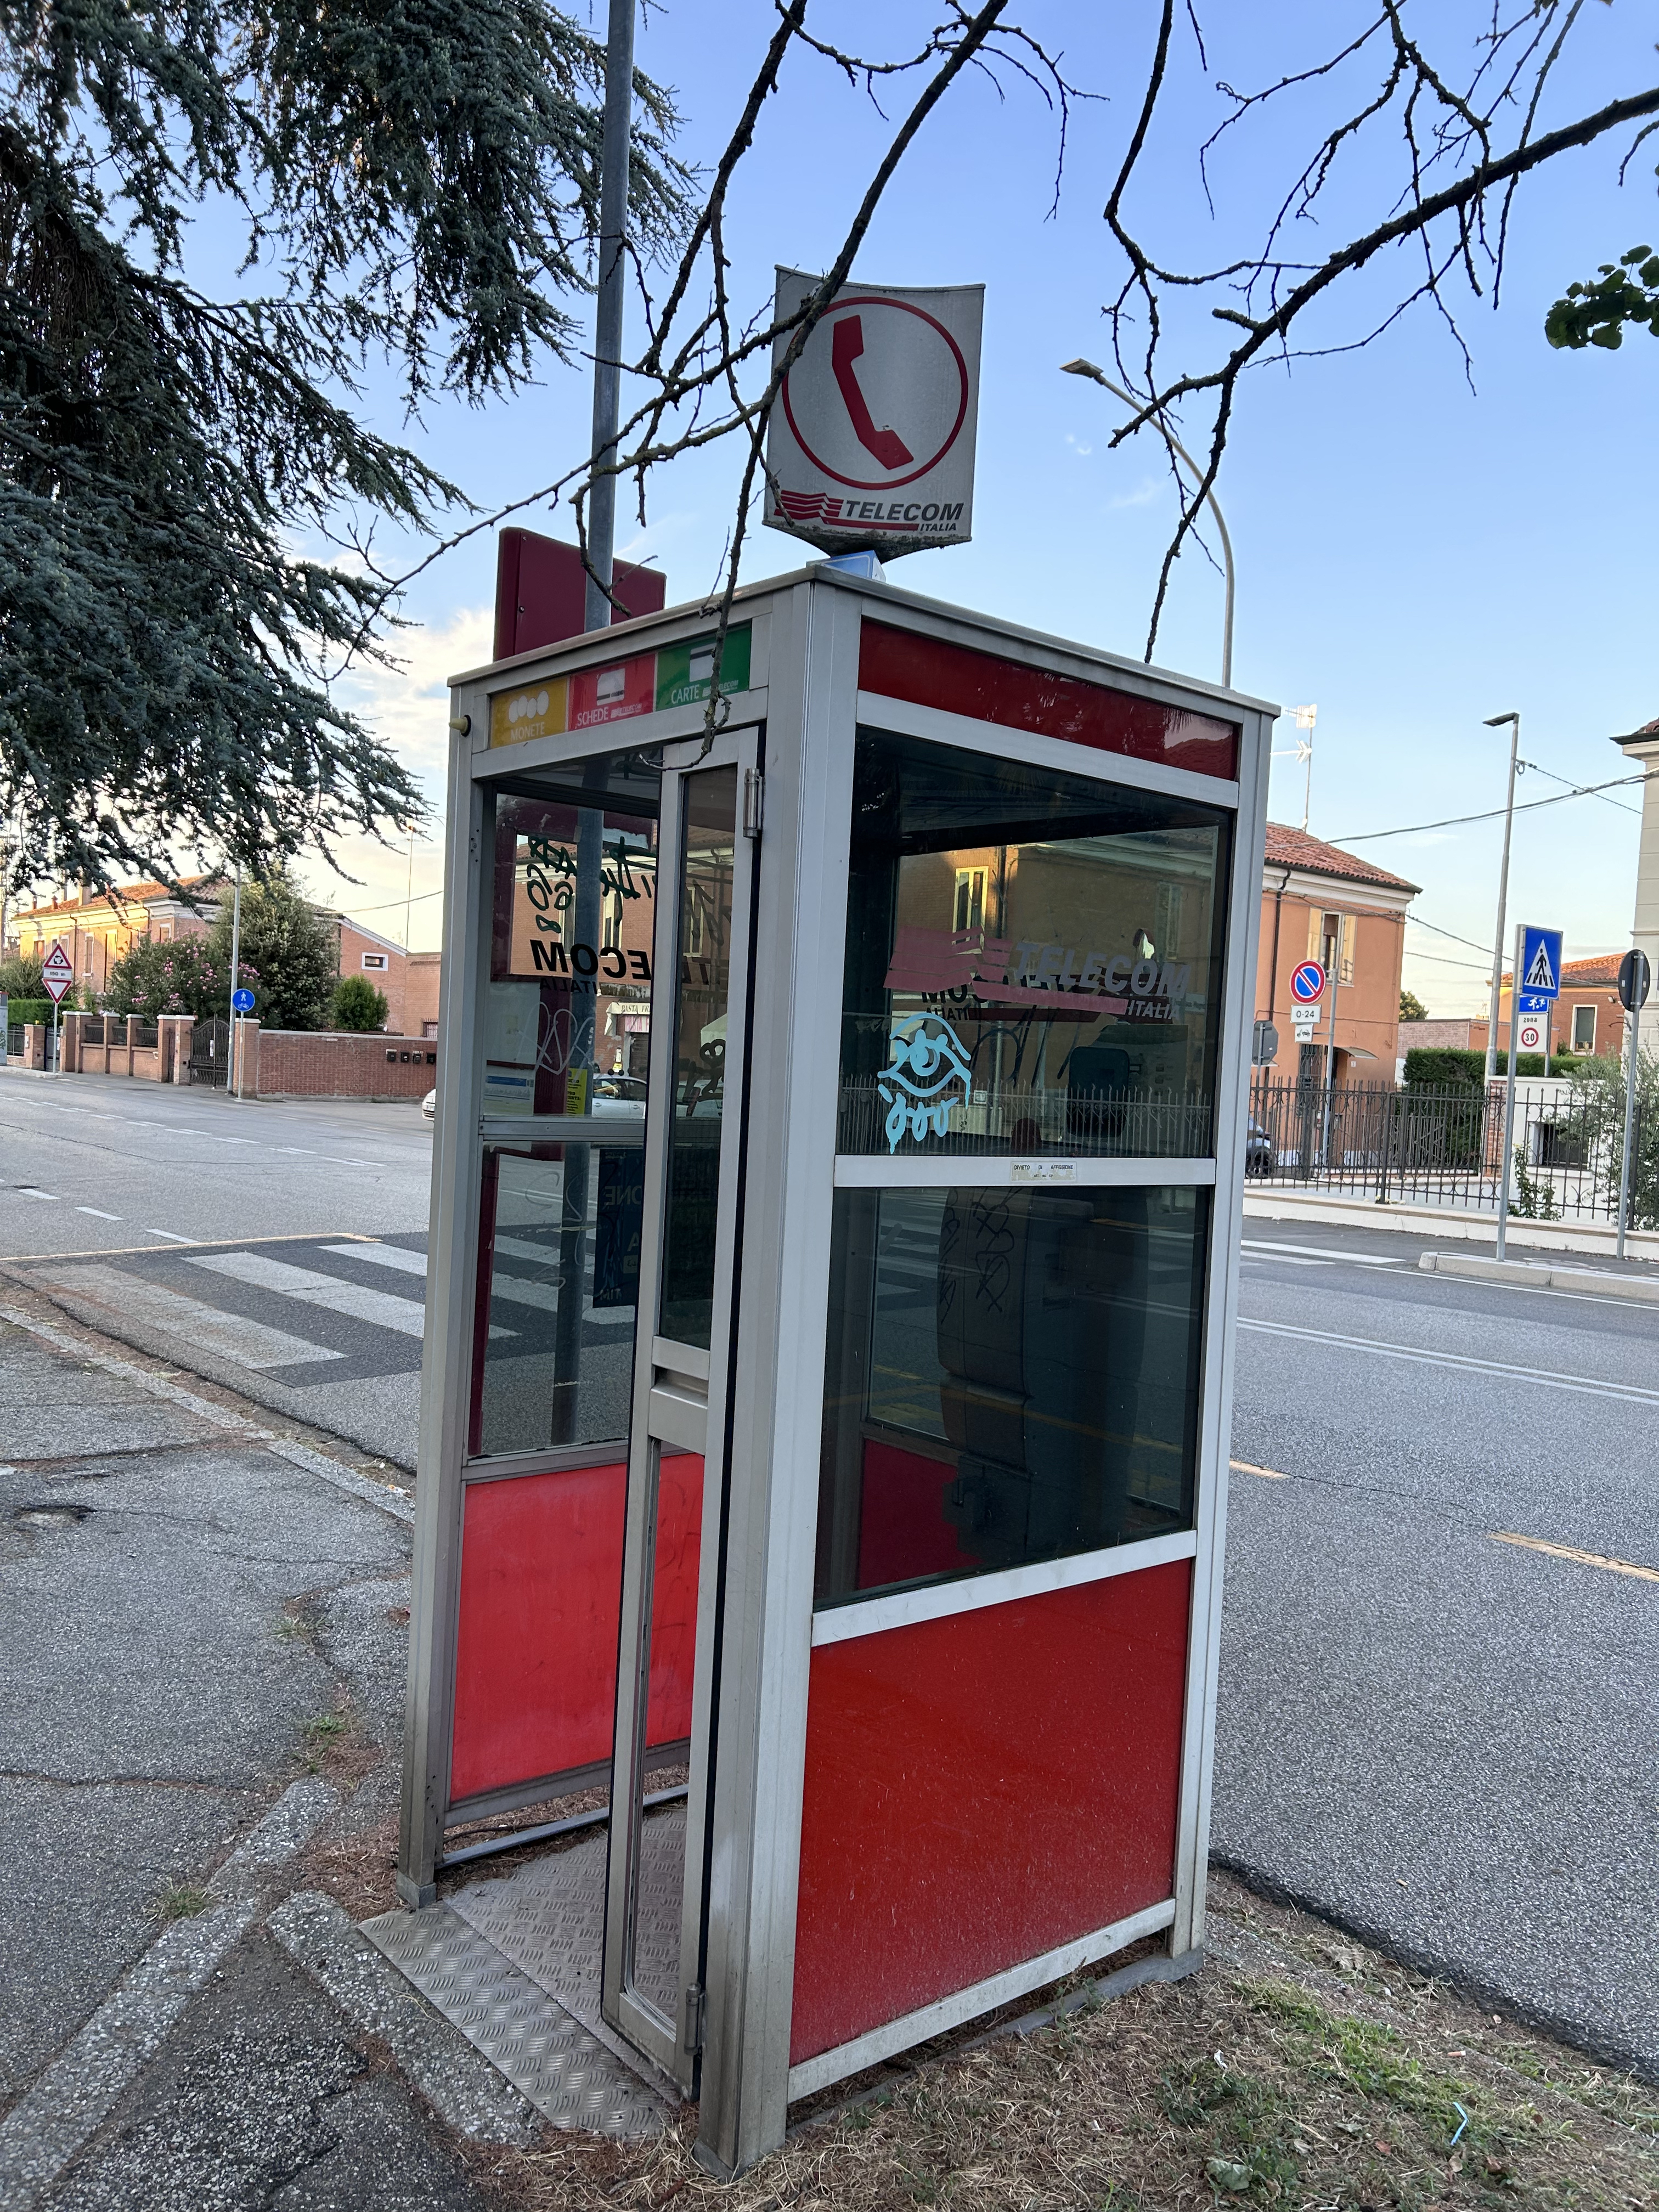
[[825, 1411]]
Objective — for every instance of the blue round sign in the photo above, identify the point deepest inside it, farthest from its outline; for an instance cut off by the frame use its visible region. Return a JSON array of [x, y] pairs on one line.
[[1308, 983], [242, 1001]]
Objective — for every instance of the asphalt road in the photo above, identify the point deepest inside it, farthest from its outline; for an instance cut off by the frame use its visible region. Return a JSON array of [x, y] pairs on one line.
[[1444, 1738]]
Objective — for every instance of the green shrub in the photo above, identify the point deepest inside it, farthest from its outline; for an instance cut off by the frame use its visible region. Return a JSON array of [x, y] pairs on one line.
[[358, 1005], [1526, 1065], [1444, 1067], [22, 1010], [176, 977], [20, 977]]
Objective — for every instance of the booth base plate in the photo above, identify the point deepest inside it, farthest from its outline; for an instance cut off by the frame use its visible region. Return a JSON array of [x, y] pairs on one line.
[[514, 1962]]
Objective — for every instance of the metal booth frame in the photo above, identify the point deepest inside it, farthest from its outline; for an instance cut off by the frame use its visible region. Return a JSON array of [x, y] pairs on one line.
[[793, 725]]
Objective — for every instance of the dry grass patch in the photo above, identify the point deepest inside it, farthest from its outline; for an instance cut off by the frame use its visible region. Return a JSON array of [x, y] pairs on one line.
[[1249, 2084]]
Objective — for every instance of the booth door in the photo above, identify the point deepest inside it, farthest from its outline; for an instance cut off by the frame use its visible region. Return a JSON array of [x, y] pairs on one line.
[[690, 1232]]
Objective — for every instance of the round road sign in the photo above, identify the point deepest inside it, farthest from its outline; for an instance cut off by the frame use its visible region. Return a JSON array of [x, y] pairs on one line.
[[1308, 983], [242, 1001], [1529, 1033]]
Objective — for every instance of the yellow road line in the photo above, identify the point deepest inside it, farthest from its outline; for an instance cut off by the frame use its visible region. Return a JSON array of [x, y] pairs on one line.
[[1271, 1474], [1567, 1551]]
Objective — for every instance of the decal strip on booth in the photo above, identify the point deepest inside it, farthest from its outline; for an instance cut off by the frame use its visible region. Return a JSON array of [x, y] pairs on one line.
[[647, 684]]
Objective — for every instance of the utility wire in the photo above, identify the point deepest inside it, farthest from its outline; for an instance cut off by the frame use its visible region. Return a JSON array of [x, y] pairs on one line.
[[1490, 814], [1581, 790]]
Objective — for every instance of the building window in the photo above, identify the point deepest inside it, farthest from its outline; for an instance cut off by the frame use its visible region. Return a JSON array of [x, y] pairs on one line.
[[1584, 1029], [376, 960], [970, 898], [1330, 942]]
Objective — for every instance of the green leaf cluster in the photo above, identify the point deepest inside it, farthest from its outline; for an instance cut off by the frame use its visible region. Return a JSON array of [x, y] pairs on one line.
[[357, 1004], [416, 182], [160, 976], [1625, 296], [289, 954]]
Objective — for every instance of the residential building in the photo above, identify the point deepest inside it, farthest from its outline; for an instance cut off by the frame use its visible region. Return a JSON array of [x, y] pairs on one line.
[[96, 931], [1587, 1016], [1320, 903], [1641, 750]]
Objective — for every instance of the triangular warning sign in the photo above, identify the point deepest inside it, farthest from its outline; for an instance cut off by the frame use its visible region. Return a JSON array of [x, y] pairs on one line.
[[1540, 976]]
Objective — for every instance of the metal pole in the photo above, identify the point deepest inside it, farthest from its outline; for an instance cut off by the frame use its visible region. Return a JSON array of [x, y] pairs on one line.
[[607, 322], [235, 966], [1509, 1112], [1081, 368], [1496, 722], [1630, 1125], [1330, 1052]]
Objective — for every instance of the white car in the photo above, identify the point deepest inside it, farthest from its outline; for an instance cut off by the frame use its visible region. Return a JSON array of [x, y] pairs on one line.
[[430, 1104]]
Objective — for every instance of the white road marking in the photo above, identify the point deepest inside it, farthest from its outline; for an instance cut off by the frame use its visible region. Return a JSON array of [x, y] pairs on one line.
[[1284, 1259], [234, 1336], [27, 1190], [1586, 1385], [172, 1235], [383, 1255], [1318, 1252], [98, 1213], [383, 1307]]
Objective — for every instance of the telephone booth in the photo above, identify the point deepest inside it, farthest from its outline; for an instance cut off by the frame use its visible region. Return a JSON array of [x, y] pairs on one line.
[[824, 1419]]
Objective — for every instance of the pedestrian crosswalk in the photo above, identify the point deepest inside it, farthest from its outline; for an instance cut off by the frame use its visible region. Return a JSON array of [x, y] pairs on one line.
[[323, 1313]]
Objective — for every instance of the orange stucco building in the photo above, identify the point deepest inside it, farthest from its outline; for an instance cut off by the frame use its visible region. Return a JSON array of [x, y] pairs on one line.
[[1320, 903]]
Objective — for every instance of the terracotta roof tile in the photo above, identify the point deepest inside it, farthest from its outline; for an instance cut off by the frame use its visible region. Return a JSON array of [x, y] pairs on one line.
[[1600, 971], [1295, 848], [130, 892]]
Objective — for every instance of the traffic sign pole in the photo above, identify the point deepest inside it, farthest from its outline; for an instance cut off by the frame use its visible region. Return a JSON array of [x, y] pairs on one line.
[[1509, 1095], [1633, 979]]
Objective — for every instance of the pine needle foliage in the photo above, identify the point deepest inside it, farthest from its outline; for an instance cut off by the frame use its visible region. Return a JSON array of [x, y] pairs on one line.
[[417, 181]]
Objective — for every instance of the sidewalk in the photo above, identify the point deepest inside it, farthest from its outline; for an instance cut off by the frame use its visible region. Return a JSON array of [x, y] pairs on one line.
[[202, 1668], [1343, 1210]]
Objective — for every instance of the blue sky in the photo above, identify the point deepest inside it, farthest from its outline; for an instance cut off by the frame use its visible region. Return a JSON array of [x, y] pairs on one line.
[[1413, 555]]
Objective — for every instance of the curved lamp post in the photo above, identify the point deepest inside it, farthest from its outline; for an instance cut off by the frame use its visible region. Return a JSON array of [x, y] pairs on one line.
[[1080, 368]]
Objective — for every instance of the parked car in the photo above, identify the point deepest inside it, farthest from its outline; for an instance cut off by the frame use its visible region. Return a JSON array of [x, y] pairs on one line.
[[430, 1104], [1261, 1154], [618, 1094]]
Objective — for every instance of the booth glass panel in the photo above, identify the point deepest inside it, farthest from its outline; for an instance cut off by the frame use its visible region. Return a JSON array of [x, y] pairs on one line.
[[558, 1274], [1033, 962], [1011, 1376], [573, 908], [691, 1208]]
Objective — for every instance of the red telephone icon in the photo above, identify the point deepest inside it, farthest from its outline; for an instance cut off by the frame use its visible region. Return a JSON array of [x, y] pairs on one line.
[[846, 344]]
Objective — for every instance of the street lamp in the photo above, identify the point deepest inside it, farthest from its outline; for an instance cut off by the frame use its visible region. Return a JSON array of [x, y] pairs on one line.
[[1496, 722], [1081, 368]]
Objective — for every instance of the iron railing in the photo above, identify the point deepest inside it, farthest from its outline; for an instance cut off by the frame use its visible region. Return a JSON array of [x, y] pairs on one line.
[[1444, 1147], [879, 1115]]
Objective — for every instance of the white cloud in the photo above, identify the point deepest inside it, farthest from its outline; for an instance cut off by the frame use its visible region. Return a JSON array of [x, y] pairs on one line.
[[407, 707]]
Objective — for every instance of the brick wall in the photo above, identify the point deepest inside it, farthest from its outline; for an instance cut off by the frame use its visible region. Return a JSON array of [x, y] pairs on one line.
[[335, 1064]]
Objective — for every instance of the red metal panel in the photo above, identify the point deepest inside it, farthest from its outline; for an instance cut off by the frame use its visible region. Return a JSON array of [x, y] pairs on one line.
[[903, 663], [541, 590], [982, 1789], [540, 1610]]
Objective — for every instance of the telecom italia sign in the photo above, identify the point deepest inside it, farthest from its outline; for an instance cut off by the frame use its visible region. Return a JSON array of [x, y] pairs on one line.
[[870, 443]]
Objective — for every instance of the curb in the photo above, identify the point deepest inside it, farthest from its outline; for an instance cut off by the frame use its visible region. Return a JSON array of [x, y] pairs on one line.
[[385, 1499], [460, 2083], [65, 2107], [1533, 1275], [1345, 1211]]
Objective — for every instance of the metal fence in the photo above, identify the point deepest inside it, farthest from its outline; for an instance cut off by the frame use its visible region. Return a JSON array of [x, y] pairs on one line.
[[878, 1114], [1445, 1148]]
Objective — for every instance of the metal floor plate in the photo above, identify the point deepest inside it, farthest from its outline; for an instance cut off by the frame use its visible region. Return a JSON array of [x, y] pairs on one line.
[[550, 2057], [548, 1918]]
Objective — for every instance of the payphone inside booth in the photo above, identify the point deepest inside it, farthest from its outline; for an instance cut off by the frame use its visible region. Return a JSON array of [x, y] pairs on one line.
[[823, 1421]]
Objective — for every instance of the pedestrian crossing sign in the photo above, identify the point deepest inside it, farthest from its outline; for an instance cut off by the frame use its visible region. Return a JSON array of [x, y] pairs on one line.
[[1540, 961]]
